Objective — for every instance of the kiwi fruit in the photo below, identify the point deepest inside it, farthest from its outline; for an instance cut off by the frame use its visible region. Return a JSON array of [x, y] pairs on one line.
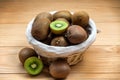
[[76, 34], [80, 18], [48, 39], [33, 65], [58, 27], [63, 19], [40, 29], [59, 41], [26, 53], [44, 15], [59, 69], [62, 14]]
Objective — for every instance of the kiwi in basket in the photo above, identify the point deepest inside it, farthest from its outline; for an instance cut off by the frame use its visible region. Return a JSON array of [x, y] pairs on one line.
[[59, 41], [62, 14], [40, 28], [80, 18], [44, 15], [76, 34]]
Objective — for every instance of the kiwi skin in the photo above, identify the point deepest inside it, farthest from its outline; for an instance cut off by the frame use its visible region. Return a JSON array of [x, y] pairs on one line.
[[59, 41], [80, 18], [59, 69], [26, 53], [44, 15], [76, 34], [40, 29], [62, 14], [63, 19]]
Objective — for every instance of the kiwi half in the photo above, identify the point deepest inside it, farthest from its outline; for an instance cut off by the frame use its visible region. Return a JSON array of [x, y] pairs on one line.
[[33, 65], [58, 27]]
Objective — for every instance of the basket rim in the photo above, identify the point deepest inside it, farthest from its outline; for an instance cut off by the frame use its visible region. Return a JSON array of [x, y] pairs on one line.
[[73, 48]]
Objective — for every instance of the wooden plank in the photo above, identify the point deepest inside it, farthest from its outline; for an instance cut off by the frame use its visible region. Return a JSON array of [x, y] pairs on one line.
[[70, 77], [23, 12], [97, 59], [14, 34]]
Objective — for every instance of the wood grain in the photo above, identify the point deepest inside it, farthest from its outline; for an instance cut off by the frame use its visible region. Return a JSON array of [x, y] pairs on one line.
[[100, 62]]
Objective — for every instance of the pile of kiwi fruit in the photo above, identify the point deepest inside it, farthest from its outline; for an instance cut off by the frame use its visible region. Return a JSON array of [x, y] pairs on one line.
[[62, 28]]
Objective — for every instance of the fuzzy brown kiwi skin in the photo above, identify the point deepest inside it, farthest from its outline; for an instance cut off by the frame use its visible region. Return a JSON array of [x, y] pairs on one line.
[[80, 18], [26, 53], [40, 29], [44, 15], [59, 69], [59, 41], [76, 34], [62, 14], [63, 19]]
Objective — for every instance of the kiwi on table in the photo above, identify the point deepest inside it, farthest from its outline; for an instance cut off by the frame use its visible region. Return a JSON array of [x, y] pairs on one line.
[[59, 69], [80, 18], [33, 65], [58, 27], [26, 53], [44, 15], [59, 41], [63, 14], [76, 34], [40, 29]]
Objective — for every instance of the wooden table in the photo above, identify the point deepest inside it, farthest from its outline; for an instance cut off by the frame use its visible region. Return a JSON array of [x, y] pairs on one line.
[[100, 62]]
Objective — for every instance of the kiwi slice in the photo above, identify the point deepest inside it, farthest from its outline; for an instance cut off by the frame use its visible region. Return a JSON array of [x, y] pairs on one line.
[[33, 65], [58, 27]]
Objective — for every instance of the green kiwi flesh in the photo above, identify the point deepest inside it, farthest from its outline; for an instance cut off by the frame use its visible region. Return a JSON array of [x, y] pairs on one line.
[[58, 27], [33, 65]]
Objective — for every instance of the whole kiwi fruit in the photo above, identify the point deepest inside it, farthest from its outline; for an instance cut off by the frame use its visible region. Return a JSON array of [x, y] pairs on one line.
[[62, 14], [44, 15], [59, 41], [26, 53], [80, 18], [59, 69], [40, 29], [76, 34], [63, 19]]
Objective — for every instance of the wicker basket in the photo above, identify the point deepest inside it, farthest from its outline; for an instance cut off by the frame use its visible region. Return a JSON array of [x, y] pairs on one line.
[[73, 54]]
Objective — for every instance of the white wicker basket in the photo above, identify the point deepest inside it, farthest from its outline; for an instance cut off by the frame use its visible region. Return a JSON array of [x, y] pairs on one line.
[[71, 53]]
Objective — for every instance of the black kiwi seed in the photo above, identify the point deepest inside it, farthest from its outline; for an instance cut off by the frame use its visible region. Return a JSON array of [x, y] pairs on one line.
[[26, 53]]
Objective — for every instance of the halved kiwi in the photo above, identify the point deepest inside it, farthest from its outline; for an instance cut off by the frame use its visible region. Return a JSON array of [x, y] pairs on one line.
[[33, 65], [58, 27]]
